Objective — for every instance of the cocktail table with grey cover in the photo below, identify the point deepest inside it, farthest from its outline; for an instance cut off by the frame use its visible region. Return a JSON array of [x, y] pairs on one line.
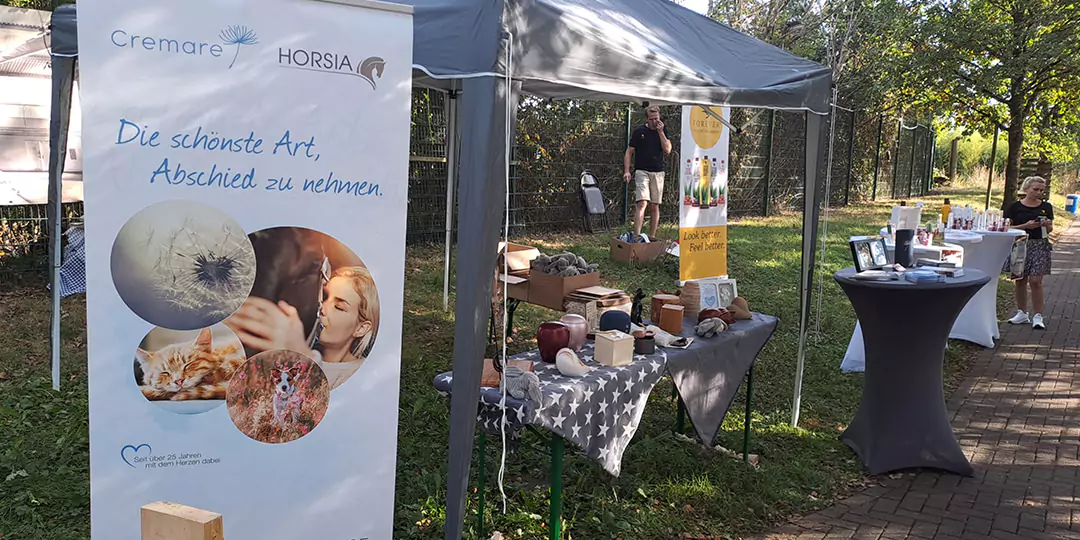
[[902, 421]]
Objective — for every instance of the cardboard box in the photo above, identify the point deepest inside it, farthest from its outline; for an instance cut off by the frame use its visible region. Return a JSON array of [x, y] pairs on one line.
[[640, 253], [518, 257], [517, 287], [549, 291]]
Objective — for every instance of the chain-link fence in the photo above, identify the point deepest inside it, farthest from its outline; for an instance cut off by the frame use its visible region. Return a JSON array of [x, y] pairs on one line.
[[873, 157]]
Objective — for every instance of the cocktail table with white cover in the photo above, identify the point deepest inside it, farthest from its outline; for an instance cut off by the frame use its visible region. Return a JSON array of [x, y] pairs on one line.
[[855, 356], [978, 322]]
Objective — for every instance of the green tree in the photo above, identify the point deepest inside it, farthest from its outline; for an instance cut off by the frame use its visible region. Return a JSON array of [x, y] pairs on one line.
[[1010, 64]]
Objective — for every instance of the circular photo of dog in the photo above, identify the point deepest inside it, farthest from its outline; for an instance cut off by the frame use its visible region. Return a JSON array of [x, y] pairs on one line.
[[187, 371], [182, 265], [311, 294], [278, 396]]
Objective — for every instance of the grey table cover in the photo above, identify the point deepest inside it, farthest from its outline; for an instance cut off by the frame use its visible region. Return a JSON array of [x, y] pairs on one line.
[[710, 371], [902, 421], [600, 411]]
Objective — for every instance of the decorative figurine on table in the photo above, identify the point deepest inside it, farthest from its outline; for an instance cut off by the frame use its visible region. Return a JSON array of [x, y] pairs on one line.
[[740, 309], [635, 310], [522, 384], [710, 327]]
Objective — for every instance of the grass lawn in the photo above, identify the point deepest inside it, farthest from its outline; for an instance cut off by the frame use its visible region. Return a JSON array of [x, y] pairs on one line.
[[667, 487]]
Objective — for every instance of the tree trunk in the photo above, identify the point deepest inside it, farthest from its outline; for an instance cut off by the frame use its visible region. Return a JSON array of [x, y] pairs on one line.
[[1012, 163]]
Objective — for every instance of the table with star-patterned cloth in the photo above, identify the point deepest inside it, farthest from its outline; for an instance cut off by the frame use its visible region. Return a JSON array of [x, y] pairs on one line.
[[600, 411]]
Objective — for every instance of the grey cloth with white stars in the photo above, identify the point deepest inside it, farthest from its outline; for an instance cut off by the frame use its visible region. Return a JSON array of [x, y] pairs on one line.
[[599, 412]]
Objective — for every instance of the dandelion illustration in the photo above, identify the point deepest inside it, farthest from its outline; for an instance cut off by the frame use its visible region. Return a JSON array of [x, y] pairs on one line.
[[239, 36], [183, 265]]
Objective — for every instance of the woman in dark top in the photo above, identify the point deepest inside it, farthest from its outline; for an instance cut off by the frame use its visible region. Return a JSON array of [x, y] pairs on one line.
[[1035, 217]]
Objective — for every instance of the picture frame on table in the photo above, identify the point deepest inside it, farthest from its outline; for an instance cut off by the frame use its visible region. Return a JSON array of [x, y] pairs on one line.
[[868, 252], [728, 290], [710, 294]]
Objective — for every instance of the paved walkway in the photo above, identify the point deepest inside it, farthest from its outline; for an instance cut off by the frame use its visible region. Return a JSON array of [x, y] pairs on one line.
[[1017, 416]]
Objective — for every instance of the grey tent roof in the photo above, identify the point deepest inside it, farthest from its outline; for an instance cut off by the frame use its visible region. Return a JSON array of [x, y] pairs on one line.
[[644, 50], [648, 50]]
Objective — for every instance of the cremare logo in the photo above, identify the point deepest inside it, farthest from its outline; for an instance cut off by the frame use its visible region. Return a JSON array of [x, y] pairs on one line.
[[238, 36]]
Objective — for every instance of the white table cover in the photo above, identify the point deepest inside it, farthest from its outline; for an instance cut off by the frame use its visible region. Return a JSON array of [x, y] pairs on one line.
[[855, 356], [978, 322]]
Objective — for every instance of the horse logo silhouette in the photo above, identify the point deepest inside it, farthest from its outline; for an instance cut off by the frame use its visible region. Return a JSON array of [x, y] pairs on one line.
[[371, 69]]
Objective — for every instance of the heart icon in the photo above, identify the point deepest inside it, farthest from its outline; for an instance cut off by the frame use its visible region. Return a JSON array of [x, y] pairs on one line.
[[130, 451]]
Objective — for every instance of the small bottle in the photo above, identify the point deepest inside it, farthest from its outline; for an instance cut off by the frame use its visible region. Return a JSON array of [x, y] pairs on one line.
[[714, 175], [696, 182], [945, 209]]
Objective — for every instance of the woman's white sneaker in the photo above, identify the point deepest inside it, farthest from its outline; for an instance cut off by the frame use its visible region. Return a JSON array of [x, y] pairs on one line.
[[1021, 317], [1037, 322]]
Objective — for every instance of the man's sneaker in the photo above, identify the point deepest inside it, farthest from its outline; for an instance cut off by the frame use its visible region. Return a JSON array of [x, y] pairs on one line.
[[1037, 322], [1020, 318]]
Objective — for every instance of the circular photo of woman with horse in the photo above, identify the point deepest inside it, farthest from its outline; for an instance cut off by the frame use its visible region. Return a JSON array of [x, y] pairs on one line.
[[312, 295]]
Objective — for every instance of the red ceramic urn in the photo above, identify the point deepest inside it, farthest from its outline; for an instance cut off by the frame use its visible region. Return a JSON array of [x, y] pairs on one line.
[[550, 337]]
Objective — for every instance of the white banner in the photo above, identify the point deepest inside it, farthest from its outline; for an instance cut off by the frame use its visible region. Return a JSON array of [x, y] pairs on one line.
[[247, 165], [703, 190]]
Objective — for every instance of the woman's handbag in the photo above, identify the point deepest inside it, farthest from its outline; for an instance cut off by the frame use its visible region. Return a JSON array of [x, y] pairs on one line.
[[1014, 265]]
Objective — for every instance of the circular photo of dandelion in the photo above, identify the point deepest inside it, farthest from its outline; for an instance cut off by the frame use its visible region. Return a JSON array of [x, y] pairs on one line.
[[187, 371], [278, 396], [182, 265], [311, 294]]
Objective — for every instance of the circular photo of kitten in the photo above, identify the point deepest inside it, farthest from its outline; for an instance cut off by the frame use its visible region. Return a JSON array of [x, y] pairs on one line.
[[187, 372], [278, 396], [182, 265], [311, 294]]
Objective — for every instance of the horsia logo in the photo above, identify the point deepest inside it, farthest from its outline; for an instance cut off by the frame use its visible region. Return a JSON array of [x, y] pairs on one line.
[[233, 36], [132, 454], [370, 69]]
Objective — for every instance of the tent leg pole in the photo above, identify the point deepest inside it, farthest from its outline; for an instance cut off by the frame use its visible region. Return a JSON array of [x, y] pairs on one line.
[[558, 447], [451, 164], [746, 421], [482, 481], [63, 77], [814, 134]]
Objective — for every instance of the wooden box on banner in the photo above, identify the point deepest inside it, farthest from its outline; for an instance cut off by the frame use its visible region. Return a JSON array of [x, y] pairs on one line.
[[639, 253]]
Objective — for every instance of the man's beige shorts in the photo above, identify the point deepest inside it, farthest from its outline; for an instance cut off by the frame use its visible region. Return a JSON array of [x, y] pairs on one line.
[[648, 186]]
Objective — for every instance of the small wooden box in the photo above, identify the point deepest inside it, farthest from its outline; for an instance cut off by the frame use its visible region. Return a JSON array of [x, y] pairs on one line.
[[671, 319], [658, 302], [614, 348]]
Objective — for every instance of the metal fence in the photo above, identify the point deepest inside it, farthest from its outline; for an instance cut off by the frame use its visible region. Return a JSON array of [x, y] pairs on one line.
[[558, 139]]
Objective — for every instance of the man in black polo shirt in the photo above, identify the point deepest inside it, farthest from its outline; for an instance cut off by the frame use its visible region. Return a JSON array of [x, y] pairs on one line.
[[648, 146]]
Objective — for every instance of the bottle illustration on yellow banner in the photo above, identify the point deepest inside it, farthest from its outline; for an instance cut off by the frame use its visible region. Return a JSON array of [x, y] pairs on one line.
[[721, 183], [695, 181], [687, 200], [706, 194]]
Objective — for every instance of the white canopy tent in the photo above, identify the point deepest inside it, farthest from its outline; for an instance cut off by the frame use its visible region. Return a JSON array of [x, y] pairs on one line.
[[491, 51]]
